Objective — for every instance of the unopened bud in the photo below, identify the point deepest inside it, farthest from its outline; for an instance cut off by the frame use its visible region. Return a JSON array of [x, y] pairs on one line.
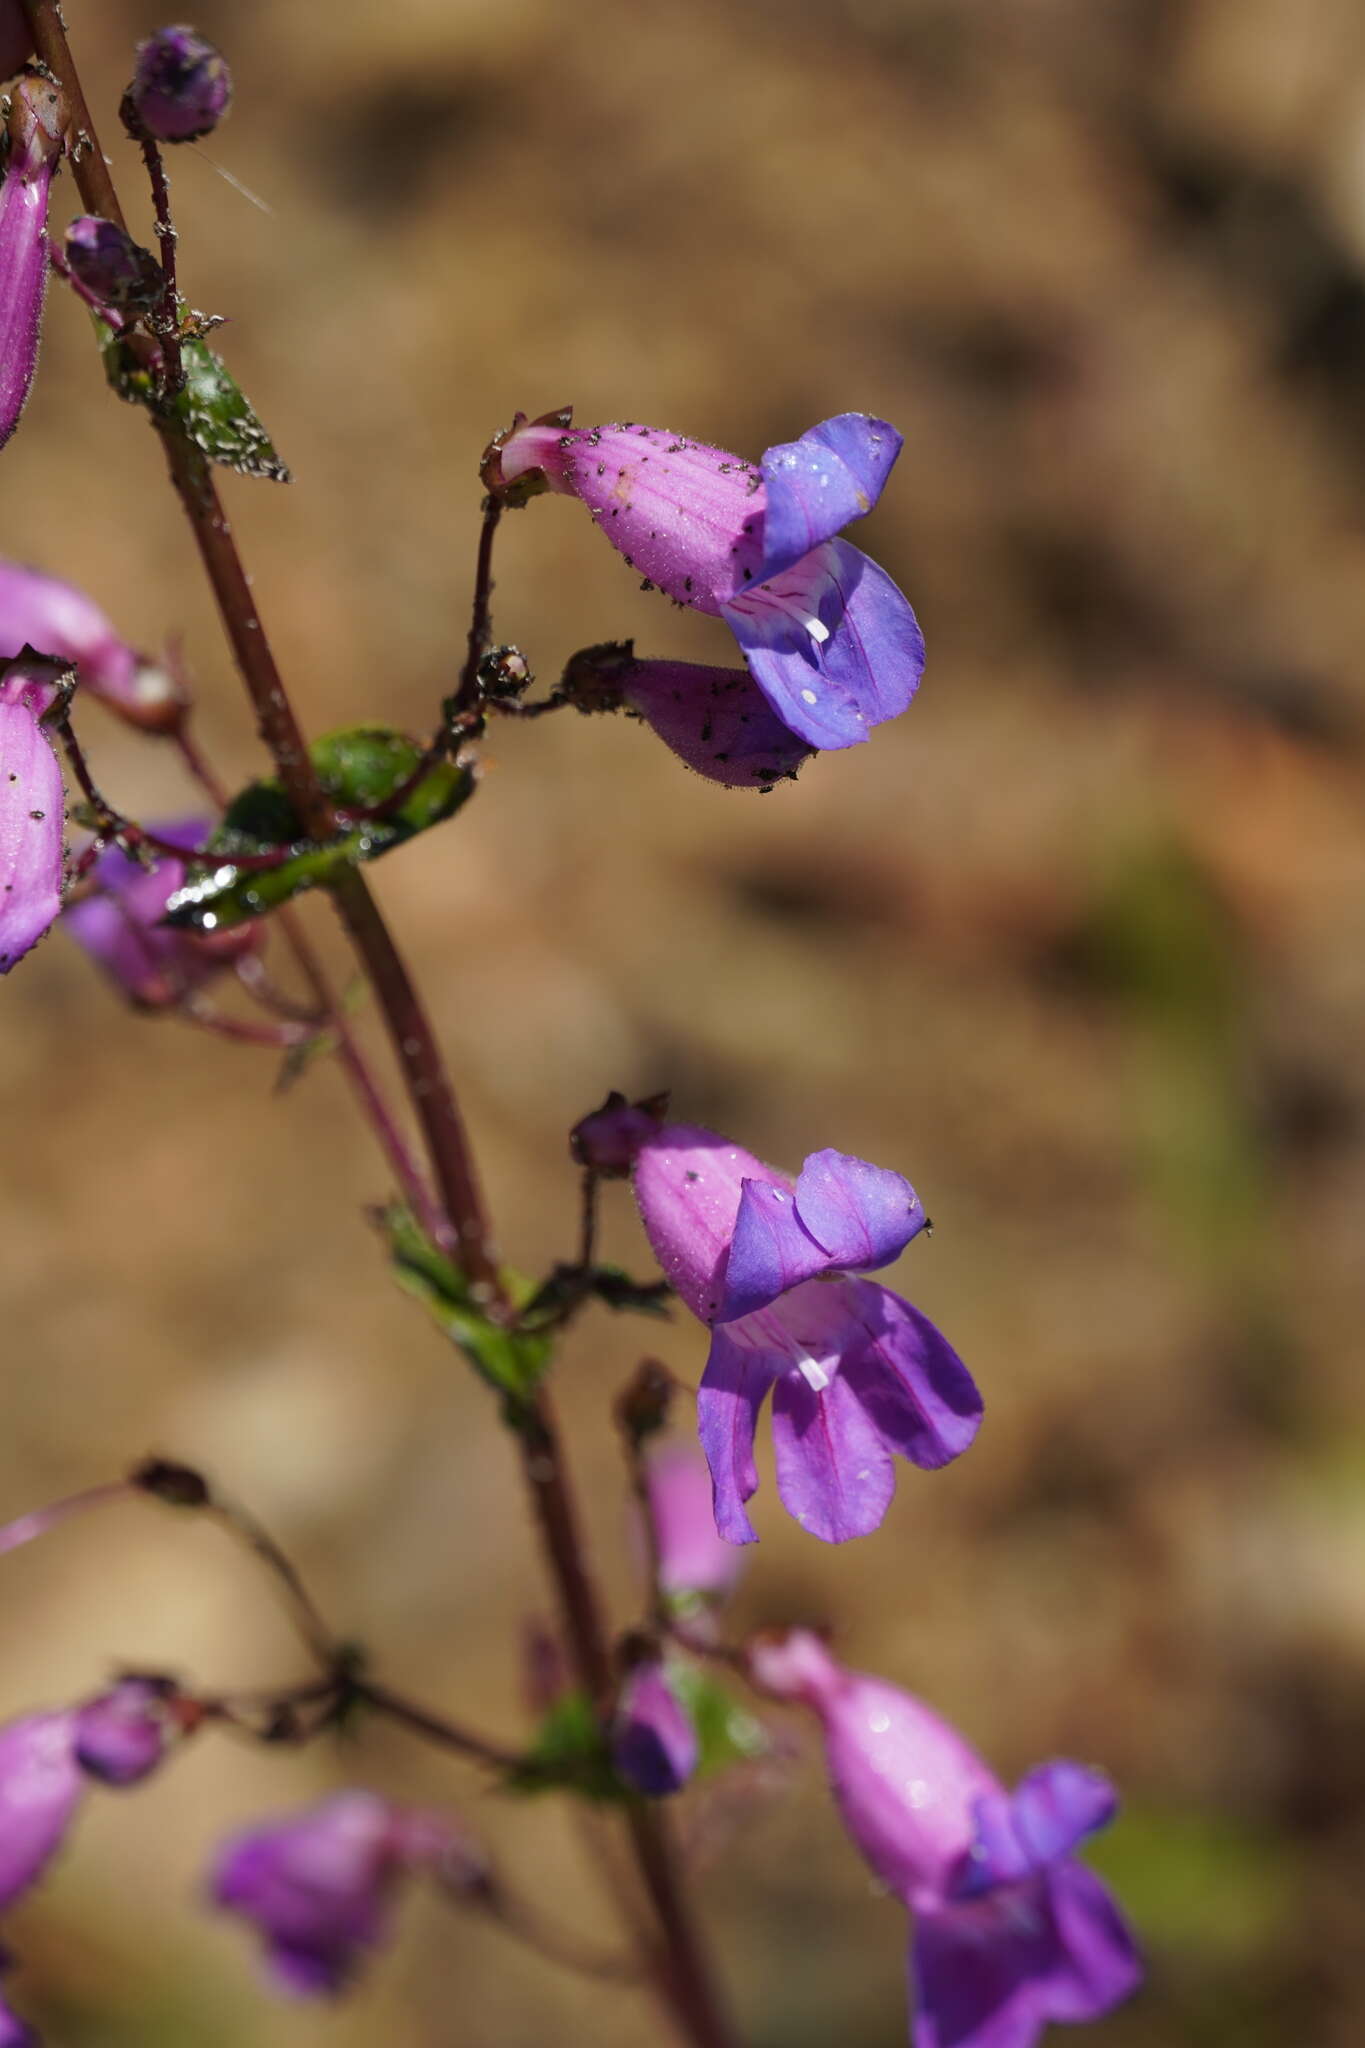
[[180, 1486], [181, 88], [113, 268], [653, 1742], [121, 1737], [607, 1139]]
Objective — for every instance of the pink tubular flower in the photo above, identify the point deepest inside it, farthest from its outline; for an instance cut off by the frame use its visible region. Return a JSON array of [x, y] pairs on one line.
[[32, 808], [829, 640], [857, 1374], [1011, 1931], [35, 143], [118, 923], [54, 618], [693, 1561]]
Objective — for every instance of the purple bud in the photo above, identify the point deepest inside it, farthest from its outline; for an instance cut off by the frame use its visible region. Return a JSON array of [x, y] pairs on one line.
[[118, 923], [608, 1139], [40, 1789], [181, 86], [56, 619], [693, 1559], [37, 118], [114, 268], [32, 809], [653, 1742], [123, 1735]]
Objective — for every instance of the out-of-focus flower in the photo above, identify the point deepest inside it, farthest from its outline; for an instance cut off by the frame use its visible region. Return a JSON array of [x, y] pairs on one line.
[[829, 640], [181, 87], [35, 125], [118, 923], [14, 2033], [693, 1561], [653, 1742], [319, 1885], [114, 268], [857, 1373], [32, 807], [52, 617], [121, 1737], [48, 1760], [40, 1788], [607, 1139], [1011, 1932]]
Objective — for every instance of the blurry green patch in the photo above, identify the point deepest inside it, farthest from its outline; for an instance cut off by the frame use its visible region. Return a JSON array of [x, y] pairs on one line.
[[570, 1751], [1200, 1882], [1161, 939], [512, 1362], [212, 409], [727, 1733], [359, 768]]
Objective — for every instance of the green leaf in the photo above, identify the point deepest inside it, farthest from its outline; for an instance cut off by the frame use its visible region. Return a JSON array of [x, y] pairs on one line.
[[569, 1752], [211, 408], [358, 768], [512, 1362], [727, 1733]]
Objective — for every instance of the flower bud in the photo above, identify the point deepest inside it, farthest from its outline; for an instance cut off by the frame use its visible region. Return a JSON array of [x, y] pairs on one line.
[[181, 86], [123, 1735], [118, 921], [36, 121], [653, 1742], [113, 267], [608, 1139]]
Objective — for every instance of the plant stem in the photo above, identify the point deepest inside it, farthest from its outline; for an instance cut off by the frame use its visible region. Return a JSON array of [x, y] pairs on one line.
[[680, 1968]]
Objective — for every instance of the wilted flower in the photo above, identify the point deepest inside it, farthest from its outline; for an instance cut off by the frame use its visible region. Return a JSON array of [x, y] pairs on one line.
[[181, 87], [32, 808], [607, 1139], [319, 1885], [35, 125], [829, 640], [653, 1742], [118, 923], [1011, 1932], [54, 618], [856, 1372]]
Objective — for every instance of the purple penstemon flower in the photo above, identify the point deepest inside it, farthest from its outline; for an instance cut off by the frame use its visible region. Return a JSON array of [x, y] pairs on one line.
[[828, 638], [857, 1373], [32, 807], [35, 143], [1011, 1931]]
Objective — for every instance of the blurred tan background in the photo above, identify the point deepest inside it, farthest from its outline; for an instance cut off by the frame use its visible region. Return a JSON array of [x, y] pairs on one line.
[[1077, 945]]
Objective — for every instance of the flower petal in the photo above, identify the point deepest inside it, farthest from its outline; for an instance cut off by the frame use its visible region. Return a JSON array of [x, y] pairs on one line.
[[32, 815], [1102, 1964], [832, 644], [863, 1215], [717, 720], [974, 1976], [1058, 1805], [835, 473], [731, 1393], [770, 1251], [912, 1383], [40, 1789], [834, 1472]]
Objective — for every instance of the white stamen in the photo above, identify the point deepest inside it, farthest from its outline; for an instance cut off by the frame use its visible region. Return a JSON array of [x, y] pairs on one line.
[[812, 1372]]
